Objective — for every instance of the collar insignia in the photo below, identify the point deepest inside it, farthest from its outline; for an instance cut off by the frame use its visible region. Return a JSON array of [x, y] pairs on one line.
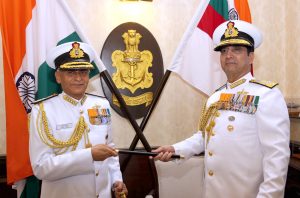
[[73, 101], [237, 83]]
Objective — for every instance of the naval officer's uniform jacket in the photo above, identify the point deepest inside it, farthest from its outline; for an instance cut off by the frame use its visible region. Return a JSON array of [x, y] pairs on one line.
[[246, 142], [73, 173]]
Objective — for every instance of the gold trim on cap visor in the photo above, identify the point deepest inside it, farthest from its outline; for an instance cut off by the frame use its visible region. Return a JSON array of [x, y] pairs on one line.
[[76, 65], [234, 42]]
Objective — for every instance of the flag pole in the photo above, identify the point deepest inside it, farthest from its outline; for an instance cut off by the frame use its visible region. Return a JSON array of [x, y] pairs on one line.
[[105, 75]]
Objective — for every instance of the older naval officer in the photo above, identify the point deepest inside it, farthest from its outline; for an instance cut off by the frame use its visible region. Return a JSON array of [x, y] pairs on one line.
[[71, 147], [244, 128]]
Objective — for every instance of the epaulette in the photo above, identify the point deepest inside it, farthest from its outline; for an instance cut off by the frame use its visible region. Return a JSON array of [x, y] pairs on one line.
[[265, 83], [95, 95], [43, 99], [220, 88]]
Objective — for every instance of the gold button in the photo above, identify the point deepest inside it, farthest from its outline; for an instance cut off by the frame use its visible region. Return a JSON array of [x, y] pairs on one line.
[[213, 133], [208, 129], [210, 153], [210, 173], [230, 128], [81, 111]]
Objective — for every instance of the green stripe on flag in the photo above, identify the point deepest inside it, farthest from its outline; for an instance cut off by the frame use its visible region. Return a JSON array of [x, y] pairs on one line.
[[32, 188], [46, 82], [220, 6], [94, 71], [72, 37]]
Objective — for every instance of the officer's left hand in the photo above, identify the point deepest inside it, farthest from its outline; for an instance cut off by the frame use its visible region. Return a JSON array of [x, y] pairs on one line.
[[120, 190]]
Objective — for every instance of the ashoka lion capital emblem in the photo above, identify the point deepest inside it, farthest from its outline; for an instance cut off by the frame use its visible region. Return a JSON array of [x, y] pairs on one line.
[[132, 65]]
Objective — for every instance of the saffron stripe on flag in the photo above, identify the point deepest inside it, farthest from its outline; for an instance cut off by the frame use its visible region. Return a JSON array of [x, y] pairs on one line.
[[15, 16], [243, 10]]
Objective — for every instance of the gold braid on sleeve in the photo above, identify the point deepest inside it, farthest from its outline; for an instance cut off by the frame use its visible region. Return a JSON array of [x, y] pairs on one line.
[[59, 146]]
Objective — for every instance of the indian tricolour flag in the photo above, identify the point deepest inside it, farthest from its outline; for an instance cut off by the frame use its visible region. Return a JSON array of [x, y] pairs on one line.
[[29, 30], [195, 60]]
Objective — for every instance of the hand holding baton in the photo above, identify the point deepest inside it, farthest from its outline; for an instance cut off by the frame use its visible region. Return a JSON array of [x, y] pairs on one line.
[[145, 153]]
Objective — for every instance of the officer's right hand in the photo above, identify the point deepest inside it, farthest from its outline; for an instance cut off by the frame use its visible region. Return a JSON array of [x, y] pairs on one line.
[[165, 153], [101, 151]]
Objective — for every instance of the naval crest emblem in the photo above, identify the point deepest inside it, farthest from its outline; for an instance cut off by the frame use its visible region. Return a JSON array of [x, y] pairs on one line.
[[132, 65], [133, 59]]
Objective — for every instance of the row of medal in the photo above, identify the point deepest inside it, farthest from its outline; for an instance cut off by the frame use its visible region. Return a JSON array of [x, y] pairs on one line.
[[99, 116], [238, 102]]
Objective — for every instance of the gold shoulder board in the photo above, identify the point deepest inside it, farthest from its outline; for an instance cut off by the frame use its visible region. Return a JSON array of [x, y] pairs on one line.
[[43, 99], [265, 83], [220, 88]]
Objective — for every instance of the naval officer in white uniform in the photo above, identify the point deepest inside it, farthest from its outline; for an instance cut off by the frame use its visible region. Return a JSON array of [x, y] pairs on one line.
[[244, 128], [71, 147]]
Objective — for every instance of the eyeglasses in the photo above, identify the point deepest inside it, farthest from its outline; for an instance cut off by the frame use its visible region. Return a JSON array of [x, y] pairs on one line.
[[74, 73]]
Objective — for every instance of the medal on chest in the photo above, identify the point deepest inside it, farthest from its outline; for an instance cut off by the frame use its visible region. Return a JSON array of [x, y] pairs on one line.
[[99, 116], [241, 102]]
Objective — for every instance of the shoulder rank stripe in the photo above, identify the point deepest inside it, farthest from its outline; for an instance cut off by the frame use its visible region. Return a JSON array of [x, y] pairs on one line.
[[265, 83], [220, 88], [95, 95], [43, 99]]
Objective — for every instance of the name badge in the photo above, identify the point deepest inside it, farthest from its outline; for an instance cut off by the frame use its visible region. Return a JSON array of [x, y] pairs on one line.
[[64, 126]]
